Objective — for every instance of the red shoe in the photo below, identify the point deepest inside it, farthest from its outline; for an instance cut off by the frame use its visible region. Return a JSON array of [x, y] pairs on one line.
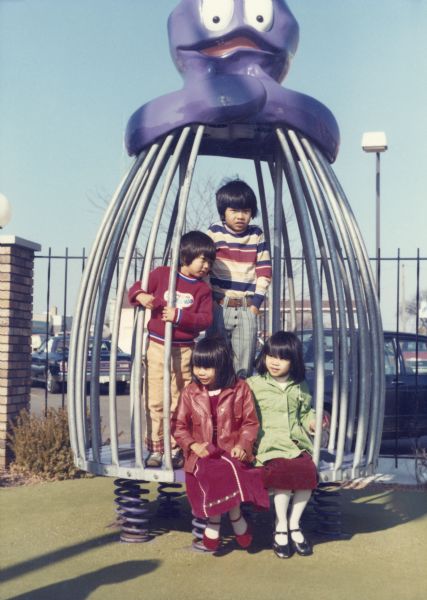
[[211, 544], [244, 539]]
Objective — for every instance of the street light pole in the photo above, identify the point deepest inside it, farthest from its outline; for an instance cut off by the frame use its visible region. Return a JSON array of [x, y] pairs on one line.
[[377, 224], [376, 141]]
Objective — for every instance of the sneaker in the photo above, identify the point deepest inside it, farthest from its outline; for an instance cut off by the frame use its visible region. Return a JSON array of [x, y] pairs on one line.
[[154, 459], [177, 458]]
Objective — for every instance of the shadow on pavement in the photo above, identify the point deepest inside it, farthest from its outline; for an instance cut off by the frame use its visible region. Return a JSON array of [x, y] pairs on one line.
[[82, 586], [359, 511], [51, 557]]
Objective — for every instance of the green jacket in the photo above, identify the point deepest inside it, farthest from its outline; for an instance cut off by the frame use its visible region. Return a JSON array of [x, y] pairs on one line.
[[284, 416]]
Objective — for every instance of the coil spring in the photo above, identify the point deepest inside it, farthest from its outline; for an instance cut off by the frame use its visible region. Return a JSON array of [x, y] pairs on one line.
[[326, 505], [131, 510], [198, 527], [169, 507]]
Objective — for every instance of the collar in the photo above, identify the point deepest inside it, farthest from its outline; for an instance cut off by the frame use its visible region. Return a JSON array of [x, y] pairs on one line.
[[272, 381], [187, 278], [201, 399], [235, 233]]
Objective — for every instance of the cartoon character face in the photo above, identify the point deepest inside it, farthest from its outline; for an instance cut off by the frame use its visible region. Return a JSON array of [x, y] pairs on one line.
[[233, 36]]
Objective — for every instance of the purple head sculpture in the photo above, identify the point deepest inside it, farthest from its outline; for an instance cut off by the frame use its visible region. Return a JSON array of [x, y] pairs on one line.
[[233, 54]]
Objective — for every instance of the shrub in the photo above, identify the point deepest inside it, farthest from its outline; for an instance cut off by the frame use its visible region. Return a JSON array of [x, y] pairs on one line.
[[41, 446]]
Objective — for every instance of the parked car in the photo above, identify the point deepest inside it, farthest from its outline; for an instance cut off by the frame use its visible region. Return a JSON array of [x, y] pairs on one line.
[[50, 364], [405, 360]]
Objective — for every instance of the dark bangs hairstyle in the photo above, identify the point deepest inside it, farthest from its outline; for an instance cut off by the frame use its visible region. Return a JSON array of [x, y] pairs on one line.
[[236, 194], [283, 344], [194, 244], [215, 353]]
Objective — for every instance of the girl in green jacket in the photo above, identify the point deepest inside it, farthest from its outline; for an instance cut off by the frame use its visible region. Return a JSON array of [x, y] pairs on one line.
[[284, 445]]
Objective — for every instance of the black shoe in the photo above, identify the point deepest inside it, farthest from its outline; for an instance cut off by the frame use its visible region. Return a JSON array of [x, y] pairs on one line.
[[302, 548], [282, 551]]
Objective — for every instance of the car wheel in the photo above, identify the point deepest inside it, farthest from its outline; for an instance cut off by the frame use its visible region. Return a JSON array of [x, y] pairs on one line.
[[52, 385]]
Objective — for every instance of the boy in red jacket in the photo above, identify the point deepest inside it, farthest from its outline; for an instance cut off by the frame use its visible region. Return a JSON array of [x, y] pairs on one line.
[[193, 314]]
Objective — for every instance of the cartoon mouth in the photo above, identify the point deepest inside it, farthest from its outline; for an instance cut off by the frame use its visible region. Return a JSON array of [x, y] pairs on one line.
[[222, 48]]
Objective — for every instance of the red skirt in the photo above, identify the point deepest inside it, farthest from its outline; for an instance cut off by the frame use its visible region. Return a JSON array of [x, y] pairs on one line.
[[298, 473], [220, 483]]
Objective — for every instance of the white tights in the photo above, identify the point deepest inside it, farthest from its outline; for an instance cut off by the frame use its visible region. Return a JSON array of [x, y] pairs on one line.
[[282, 499], [238, 522]]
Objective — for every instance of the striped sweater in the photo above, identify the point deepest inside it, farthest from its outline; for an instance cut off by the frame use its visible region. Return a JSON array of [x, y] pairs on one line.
[[242, 266]]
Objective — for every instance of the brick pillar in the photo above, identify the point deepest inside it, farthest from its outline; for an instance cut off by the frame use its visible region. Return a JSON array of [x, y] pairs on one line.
[[16, 309]]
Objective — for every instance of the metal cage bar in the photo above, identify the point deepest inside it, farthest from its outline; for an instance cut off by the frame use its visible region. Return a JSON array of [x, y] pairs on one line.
[[343, 276]]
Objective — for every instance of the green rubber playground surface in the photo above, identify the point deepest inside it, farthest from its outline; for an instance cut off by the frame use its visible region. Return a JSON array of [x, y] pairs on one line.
[[59, 541]]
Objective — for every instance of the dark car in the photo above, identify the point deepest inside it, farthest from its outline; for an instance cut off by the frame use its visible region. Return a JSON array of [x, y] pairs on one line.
[[50, 364], [405, 361]]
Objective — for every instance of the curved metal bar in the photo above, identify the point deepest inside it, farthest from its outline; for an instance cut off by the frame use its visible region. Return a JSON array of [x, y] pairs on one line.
[[103, 278], [345, 435], [378, 392], [140, 212], [87, 311], [346, 431], [376, 433], [361, 309], [266, 229], [313, 281], [377, 364], [263, 204], [170, 232], [183, 200], [72, 386], [138, 331], [329, 284], [277, 243], [77, 377], [289, 268], [340, 388]]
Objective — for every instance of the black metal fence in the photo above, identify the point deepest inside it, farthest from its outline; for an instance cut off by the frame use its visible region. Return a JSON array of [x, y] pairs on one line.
[[402, 289]]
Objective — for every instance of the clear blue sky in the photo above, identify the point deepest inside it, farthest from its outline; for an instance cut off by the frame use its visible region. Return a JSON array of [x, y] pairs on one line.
[[72, 72]]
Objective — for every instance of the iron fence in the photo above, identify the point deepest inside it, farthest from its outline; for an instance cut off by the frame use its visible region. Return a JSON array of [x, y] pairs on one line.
[[402, 289]]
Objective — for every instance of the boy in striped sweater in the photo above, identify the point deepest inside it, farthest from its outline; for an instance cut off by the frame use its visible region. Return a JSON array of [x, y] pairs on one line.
[[241, 273]]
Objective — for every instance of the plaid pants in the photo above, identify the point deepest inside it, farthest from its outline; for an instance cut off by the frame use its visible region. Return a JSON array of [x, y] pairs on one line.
[[239, 327]]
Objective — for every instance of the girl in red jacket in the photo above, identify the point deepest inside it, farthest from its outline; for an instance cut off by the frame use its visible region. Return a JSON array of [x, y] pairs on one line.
[[216, 425]]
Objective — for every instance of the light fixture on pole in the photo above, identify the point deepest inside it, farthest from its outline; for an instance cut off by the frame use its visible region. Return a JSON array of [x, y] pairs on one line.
[[376, 141], [5, 211]]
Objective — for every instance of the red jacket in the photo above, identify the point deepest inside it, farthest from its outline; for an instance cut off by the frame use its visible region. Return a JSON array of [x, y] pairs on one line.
[[237, 421]]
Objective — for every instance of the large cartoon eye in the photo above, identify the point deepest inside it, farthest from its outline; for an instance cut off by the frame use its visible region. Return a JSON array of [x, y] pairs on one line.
[[217, 14], [259, 14]]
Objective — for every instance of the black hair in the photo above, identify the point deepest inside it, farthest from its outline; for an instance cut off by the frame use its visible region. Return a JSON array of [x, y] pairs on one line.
[[215, 353], [285, 345], [194, 244], [236, 194]]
